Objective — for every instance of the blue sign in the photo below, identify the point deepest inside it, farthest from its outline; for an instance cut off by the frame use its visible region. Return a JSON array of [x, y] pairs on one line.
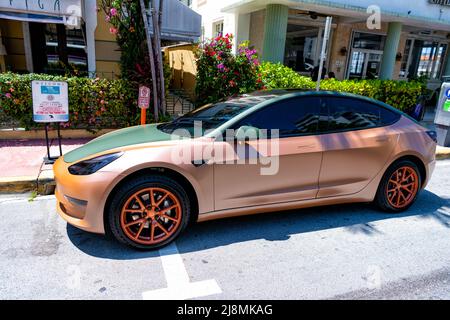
[[50, 90]]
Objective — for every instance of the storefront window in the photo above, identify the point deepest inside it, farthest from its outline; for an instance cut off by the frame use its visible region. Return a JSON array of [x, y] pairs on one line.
[[423, 58], [368, 41], [58, 49], [301, 48], [365, 58], [405, 59]]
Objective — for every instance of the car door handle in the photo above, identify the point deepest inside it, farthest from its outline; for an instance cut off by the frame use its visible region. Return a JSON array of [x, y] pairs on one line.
[[306, 146], [382, 139]]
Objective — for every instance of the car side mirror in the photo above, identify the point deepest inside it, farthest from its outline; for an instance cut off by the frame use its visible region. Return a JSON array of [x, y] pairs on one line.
[[246, 133]]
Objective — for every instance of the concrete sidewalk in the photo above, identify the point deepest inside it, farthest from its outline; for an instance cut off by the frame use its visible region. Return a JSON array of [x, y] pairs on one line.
[[22, 168]]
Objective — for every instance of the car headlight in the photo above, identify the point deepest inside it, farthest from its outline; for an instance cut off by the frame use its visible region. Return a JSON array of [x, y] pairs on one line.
[[90, 166]]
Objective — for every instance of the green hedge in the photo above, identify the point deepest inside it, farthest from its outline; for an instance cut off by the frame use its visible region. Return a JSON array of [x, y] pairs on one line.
[[93, 103], [400, 94]]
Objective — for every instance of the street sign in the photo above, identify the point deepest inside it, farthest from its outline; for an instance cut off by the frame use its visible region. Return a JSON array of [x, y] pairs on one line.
[[144, 97], [50, 101]]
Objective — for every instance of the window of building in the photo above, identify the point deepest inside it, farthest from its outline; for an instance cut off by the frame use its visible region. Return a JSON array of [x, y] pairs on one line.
[[218, 28], [297, 116], [423, 58], [57, 49], [366, 54], [302, 45], [369, 41], [405, 59]]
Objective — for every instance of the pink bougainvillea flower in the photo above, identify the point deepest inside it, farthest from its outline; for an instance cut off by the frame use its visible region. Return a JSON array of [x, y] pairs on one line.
[[113, 30], [113, 12], [11, 89], [8, 95], [107, 18]]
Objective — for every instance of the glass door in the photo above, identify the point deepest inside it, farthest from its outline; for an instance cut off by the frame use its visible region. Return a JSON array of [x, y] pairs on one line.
[[364, 64]]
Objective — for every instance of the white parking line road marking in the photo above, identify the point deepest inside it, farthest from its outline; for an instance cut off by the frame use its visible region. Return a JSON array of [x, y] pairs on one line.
[[178, 285]]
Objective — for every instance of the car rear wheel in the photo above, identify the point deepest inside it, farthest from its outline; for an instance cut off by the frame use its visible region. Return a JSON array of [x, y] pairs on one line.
[[149, 212], [399, 187]]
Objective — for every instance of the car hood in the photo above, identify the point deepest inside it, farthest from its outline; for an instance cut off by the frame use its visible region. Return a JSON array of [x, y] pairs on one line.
[[117, 139]]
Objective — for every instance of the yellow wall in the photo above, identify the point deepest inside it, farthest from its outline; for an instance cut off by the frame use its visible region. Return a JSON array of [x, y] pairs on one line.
[[12, 38], [181, 60], [107, 52]]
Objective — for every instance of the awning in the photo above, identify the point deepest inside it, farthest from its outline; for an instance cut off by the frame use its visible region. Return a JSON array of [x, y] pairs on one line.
[[179, 22], [30, 17]]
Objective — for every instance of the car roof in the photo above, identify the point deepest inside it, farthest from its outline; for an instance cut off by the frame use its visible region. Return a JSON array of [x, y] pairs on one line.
[[265, 97]]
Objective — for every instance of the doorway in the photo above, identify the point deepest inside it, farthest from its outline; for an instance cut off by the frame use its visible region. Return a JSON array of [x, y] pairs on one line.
[[364, 64]]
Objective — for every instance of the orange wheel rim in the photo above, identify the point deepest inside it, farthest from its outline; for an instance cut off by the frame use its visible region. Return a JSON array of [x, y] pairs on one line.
[[150, 216], [402, 187]]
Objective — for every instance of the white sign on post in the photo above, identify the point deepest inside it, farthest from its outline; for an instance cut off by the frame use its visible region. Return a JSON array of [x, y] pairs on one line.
[[144, 97], [50, 101]]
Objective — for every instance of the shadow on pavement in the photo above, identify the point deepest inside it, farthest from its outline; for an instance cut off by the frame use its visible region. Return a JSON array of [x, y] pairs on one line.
[[279, 226]]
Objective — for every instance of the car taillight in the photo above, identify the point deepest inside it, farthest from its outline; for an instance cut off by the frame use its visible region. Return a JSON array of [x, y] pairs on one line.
[[433, 135]]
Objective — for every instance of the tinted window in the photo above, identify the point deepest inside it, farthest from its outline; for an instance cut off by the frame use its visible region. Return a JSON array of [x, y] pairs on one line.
[[297, 116], [347, 114], [388, 117]]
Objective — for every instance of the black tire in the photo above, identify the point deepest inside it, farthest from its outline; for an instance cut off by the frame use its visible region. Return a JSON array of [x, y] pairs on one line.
[[381, 199], [131, 187]]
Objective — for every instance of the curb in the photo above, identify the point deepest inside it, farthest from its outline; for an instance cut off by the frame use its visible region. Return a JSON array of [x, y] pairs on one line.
[[442, 153], [45, 183], [41, 185]]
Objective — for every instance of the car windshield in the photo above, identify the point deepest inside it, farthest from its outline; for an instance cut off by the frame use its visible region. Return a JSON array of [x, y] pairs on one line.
[[212, 116], [207, 117]]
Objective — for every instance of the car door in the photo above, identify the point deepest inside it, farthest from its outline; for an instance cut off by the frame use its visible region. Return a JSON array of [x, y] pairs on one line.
[[356, 144], [295, 162]]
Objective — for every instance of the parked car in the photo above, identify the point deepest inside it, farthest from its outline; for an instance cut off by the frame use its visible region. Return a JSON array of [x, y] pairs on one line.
[[145, 184]]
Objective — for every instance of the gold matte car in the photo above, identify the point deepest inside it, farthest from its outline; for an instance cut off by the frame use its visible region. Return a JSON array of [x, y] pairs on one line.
[[267, 151]]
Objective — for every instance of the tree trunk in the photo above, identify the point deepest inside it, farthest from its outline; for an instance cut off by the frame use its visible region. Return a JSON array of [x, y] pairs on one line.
[[156, 7], [152, 61]]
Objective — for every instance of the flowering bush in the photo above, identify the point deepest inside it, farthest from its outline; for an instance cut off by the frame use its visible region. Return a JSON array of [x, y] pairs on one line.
[[220, 73], [93, 103]]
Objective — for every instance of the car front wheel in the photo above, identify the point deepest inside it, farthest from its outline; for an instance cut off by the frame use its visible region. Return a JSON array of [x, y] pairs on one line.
[[149, 212]]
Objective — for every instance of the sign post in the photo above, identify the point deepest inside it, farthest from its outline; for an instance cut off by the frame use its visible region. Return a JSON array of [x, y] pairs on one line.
[[144, 102], [323, 53], [50, 104]]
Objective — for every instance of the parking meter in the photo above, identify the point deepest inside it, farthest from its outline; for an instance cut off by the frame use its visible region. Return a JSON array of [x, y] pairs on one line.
[[442, 119]]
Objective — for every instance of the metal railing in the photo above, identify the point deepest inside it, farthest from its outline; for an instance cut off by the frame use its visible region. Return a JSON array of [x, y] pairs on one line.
[[179, 102]]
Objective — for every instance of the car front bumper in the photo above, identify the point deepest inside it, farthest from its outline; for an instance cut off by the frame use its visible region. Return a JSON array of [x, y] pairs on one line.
[[81, 199]]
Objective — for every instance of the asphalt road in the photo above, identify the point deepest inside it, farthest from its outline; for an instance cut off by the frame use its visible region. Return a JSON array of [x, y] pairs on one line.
[[338, 252]]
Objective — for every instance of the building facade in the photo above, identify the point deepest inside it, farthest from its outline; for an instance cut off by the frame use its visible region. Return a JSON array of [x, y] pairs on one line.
[[46, 36], [384, 39]]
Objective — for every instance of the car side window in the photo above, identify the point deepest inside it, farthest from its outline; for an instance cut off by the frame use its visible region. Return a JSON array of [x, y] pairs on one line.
[[295, 116], [388, 117], [351, 114]]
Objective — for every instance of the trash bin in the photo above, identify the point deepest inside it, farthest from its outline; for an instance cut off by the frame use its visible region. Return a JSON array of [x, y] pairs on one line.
[[442, 119]]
